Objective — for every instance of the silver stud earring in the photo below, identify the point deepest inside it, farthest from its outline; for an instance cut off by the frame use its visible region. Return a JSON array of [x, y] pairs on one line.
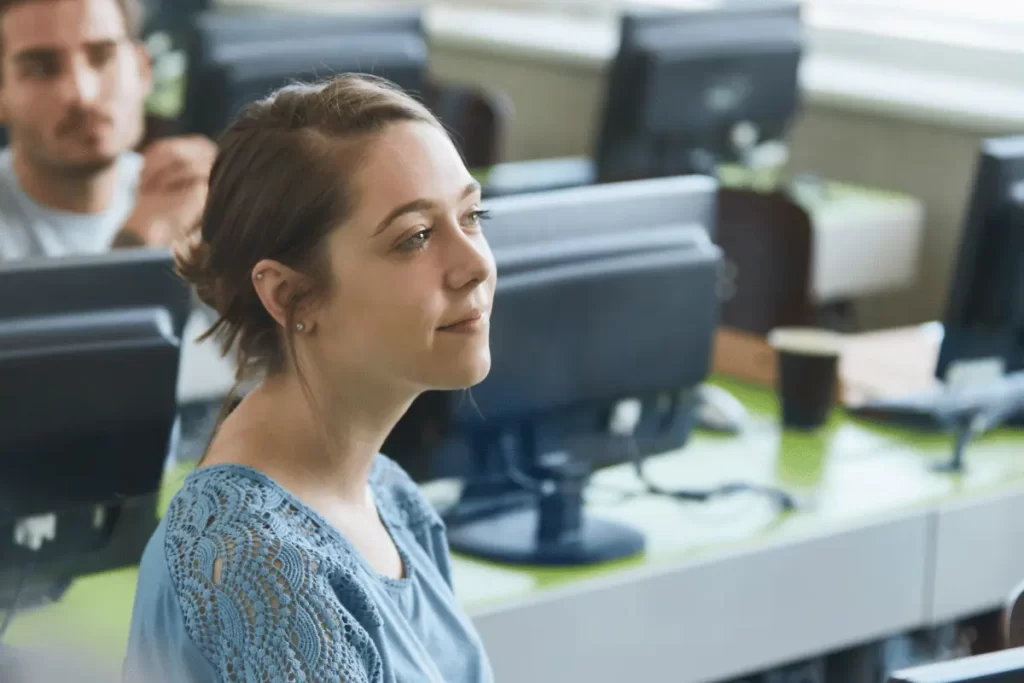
[[259, 276], [299, 327]]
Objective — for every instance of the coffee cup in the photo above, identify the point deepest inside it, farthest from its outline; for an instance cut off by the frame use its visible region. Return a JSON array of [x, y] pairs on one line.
[[806, 375]]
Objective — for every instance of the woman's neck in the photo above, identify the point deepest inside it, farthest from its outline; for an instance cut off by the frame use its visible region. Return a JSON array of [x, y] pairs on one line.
[[328, 443]]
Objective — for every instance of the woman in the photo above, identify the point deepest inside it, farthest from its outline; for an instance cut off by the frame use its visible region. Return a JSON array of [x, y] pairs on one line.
[[341, 247]]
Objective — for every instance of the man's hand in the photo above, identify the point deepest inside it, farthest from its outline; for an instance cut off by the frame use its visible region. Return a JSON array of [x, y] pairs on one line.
[[173, 161], [172, 191]]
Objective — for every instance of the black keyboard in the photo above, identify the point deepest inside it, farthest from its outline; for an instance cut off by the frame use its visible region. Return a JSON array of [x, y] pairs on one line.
[[945, 408], [915, 411]]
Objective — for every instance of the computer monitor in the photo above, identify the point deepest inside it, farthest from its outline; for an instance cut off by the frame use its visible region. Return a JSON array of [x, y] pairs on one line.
[[121, 279], [984, 318], [997, 667], [620, 282], [569, 341], [89, 359], [981, 357], [235, 58], [548, 228], [89, 404], [684, 81], [612, 208]]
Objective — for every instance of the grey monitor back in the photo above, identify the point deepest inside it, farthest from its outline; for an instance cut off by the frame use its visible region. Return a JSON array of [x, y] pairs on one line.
[[612, 208], [236, 57], [594, 330], [536, 255], [89, 404], [120, 279], [583, 279], [253, 25]]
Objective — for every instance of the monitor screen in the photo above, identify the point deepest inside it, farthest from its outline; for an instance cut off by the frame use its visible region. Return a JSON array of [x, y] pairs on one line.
[[984, 320], [683, 80]]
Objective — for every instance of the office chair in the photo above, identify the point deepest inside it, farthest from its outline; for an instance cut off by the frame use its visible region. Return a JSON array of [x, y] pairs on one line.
[[476, 117]]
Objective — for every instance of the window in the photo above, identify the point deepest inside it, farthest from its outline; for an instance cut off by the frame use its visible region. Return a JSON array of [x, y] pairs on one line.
[[970, 23], [956, 21], [955, 62]]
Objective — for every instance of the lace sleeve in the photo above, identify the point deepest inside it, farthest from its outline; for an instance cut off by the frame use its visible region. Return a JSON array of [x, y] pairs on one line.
[[259, 608]]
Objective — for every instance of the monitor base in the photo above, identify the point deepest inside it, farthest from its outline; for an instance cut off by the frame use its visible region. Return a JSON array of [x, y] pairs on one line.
[[513, 538], [949, 467], [955, 465]]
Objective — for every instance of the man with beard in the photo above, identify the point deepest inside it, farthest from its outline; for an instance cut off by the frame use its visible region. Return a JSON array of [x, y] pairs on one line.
[[74, 78]]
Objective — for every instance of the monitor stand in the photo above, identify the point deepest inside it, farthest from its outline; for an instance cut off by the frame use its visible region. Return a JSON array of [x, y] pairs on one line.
[[955, 465], [554, 531]]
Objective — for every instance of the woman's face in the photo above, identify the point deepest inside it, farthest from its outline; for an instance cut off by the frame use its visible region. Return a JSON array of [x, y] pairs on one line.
[[413, 277]]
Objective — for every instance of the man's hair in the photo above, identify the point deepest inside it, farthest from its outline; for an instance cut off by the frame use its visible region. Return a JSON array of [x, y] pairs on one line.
[[131, 10]]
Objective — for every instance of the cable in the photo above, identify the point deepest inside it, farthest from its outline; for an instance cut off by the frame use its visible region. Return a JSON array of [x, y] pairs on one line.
[[623, 422], [785, 501], [19, 587], [621, 496]]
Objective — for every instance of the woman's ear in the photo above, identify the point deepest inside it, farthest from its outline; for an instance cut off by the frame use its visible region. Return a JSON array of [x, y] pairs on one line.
[[282, 289]]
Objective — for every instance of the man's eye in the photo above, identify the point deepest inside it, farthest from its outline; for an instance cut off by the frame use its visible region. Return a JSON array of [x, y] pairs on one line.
[[40, 68], [101, 55]]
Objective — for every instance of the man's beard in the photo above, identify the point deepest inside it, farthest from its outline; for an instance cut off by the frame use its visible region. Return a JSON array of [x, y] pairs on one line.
[[81, 169], [39, 150]]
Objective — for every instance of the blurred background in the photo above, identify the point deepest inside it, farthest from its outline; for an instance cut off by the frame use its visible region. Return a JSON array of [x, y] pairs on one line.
[[792, 390], [898, 94]]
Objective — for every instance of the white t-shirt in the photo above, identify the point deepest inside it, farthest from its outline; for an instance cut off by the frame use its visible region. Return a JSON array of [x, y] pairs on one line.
[[28, 229]]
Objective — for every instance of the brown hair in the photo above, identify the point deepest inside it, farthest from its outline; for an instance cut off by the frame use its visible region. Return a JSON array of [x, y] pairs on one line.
[[131, 10], [279, 186]]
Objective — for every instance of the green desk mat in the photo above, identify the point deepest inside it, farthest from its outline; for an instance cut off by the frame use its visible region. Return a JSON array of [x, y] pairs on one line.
[[845, 476]]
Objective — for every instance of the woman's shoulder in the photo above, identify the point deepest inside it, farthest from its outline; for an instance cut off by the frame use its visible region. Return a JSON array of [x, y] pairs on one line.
[[213, 499], [227, 498], [244, 567], [234, 507], [235, 514]]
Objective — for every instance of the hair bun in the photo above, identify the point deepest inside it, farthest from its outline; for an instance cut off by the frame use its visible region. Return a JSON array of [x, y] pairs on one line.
[[192, 261]]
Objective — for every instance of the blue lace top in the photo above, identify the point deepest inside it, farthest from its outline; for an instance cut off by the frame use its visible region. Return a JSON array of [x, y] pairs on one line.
[[291, 599]]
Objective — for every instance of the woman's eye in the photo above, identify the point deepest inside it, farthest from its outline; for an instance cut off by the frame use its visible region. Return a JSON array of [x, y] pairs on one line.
[[477, 217], [417, 241]]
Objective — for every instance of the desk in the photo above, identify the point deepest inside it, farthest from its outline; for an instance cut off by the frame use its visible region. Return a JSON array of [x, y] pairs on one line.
[[725, 588]]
